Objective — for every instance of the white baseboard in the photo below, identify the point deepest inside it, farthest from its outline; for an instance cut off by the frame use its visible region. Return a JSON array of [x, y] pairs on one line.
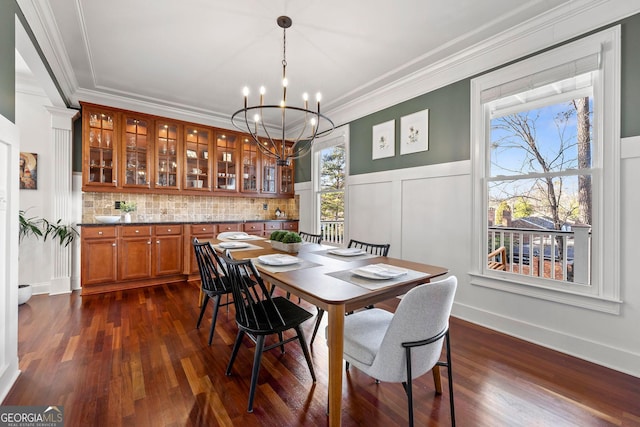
[[601, 354]]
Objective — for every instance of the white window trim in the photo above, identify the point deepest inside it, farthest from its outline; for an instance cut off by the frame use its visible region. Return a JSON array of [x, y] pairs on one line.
[[339, 136], [605, 278]]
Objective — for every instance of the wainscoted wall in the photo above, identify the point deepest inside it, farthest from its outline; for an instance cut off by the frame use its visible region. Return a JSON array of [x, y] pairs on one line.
[[160, 207], [425, 213]]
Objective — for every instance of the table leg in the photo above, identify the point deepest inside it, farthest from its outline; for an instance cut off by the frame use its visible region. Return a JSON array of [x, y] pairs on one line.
[[335, 314]]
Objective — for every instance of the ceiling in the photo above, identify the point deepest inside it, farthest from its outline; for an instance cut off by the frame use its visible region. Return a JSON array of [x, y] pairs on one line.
[[195, 57]]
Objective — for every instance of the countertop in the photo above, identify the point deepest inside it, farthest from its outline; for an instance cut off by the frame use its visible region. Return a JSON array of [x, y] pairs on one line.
[[93, 224]]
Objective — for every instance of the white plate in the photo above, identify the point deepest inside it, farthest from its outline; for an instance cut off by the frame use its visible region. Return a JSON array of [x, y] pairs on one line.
[[233, 245], [347, 252], [278, 259], [379, 272]]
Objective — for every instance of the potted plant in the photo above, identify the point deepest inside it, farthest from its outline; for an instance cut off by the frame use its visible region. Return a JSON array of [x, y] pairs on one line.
[[127, 208], [41, 228], [287, 241]]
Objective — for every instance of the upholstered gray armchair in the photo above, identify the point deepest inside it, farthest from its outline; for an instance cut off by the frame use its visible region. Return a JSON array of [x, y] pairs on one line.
[[384, 344]]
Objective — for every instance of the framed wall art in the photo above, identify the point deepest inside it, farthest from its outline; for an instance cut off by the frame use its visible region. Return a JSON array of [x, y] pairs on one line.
[[384, 140], [28, 171], [414, 132]]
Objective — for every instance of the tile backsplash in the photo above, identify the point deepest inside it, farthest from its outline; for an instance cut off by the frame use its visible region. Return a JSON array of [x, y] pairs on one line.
[[165, 207]]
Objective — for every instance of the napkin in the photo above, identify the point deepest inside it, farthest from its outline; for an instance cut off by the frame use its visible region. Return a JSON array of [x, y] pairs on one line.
[[278, 259], [383, 270]]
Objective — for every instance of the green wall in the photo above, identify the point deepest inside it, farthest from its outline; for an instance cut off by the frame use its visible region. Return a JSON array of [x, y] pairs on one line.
[[449, 118], [8, 59]]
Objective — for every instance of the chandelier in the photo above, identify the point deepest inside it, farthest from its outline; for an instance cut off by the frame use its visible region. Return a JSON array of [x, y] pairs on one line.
[[259, 120]]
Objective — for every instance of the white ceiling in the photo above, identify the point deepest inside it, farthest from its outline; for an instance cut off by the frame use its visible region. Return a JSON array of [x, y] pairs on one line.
[[195, 56]]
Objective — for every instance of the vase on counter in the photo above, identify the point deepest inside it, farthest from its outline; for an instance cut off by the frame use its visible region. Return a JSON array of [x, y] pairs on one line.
[[127, 217]]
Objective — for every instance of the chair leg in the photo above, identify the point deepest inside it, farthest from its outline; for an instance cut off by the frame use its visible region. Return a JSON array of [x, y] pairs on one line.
[[408, 386], [216, 306], [281, 340], [234, 352], [257, 359], [318, 320], [450, 377], [305, 350], [202, 310]]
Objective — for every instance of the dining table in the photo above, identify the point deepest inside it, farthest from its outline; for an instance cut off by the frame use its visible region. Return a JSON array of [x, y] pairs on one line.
[[337, 280]]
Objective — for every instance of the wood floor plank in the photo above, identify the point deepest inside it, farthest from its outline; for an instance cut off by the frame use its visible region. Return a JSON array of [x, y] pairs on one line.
[[135, 358]]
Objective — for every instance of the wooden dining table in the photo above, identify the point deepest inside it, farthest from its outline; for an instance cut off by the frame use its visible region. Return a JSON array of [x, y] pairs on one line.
[[326, 280]]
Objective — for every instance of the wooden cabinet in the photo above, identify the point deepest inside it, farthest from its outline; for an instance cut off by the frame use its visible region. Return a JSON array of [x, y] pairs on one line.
[[226, 159], [250, 166], [256, 228], [125, 151], [134, 252], [129, 256], [99, 255], [136, 150], [201, 232], [100, 147], [168, 250], [229, 227], [196, 160], [290, 225], [167, 155]]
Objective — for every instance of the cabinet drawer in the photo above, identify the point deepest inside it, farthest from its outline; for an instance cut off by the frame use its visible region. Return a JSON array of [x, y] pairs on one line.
[[98, 232], [291, 226], [229, 227], [270, 226], [203, 229], [252, 226], [168, 230], [135, 231]]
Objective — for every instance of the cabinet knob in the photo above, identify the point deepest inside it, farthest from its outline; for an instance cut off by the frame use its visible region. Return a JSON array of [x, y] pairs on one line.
[[100, 233], [137, 231], [149, 242], [168, 230], [113, 244], [158, 242], [204, 229]]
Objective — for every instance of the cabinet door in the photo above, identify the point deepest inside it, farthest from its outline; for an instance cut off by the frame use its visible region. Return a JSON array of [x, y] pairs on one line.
[[136, 148], [167, 152], [134, 254], [100, 147], [168, 255], [201, 232], [99, 261], [197, 164], [286, 176], [269, 175], [250, 166], [226, 161]]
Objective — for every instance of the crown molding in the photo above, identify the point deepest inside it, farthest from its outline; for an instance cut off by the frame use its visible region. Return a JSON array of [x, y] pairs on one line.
[[556, 26]]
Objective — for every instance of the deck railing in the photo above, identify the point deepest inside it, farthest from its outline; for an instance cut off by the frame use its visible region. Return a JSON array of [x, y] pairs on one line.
[[552, 254], [332, 232]]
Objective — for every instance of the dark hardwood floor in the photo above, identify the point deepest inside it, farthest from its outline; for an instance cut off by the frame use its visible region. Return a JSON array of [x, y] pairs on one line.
[[134, 358]]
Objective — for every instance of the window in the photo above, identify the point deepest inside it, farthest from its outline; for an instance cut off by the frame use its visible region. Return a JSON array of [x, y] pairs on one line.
[[545, 165], [330, 162]]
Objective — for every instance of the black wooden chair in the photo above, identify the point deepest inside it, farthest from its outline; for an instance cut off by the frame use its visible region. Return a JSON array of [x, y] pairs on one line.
[[373, 248], [214, 280], [311, 238], [381, 249], [258, 315]]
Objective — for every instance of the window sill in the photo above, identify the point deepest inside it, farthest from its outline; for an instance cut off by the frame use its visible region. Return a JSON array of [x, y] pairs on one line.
[[589, 302]]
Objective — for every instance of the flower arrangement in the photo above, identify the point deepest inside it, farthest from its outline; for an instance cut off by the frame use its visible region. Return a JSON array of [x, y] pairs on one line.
[[127, 207]]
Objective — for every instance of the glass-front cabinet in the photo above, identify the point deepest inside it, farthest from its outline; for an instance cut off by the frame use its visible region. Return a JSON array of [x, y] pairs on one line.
[[197, 148], [101, 148], [250, 166], [227, 144], [137, 152], [269, 174], [286, 175], [167, 152]]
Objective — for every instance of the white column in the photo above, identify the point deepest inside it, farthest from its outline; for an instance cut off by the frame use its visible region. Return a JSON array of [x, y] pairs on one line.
[[61, 196]]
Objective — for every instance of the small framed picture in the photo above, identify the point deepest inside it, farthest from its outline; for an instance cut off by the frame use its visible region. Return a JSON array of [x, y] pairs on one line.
[[414, 132], [28, 171], [383, 141], [192, 154]]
